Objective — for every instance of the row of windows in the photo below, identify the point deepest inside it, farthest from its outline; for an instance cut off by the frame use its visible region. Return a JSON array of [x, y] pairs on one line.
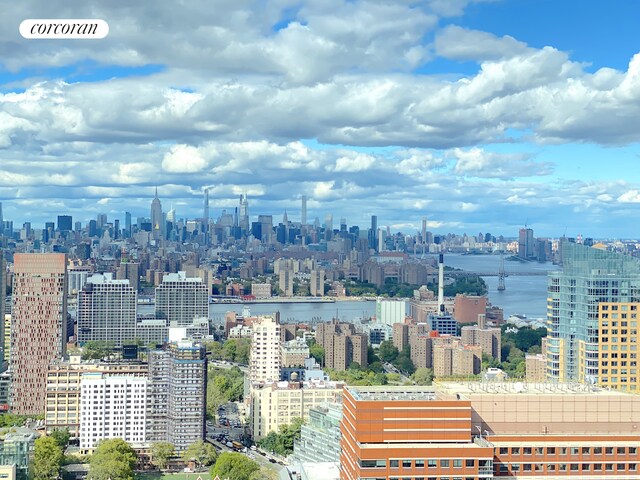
[[568, 450], [420, 463], [571, 467]]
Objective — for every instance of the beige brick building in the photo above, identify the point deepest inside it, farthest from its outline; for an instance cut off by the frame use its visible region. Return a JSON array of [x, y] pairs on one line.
[[63, 389], [487, 338], [342, 345], [276, 404], [293, 353]]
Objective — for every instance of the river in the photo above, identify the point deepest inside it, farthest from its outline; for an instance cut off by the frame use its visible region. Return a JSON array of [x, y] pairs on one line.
[[526, 295]]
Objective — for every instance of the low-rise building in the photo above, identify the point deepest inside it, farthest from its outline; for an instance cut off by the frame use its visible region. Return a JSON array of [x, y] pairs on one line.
[[320, 437], [279, 403], [293, 353]]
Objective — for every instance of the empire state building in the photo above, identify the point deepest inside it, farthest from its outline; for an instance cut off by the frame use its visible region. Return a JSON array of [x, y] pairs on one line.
[[157, 218]]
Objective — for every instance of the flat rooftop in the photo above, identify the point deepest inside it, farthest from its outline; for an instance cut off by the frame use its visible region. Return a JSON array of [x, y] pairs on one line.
[[523, 388], [385, 392]]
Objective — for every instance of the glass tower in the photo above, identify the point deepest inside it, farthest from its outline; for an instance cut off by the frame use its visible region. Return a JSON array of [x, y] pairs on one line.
[[588, 277]]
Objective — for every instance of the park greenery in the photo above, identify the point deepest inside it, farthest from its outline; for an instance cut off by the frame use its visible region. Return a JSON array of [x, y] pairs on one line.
[[282, 442], [234, 466], [96, 350], [232, 350], [61, 436], [401, 360], [469, 285], [47, 459], [112, 459], [514, 347], [223, 385]]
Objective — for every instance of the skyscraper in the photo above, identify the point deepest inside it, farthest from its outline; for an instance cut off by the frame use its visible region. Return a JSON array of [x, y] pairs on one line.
[[589, 277], [205, 213], [373, 232], [244, 213], [424, 230], [303, 214], [39, 326], [65, 223], [157, 219], [107, 310], [127, 224]]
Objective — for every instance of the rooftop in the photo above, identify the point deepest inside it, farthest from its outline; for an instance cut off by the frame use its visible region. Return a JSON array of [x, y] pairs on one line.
[[386, 392], [523, 388]]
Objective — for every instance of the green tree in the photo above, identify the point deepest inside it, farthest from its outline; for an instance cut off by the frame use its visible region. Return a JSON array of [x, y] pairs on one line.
[[203, 454], [47, 459], [233, 466], [112, 459], [317, 352], [243, 348], [387, 351], [161, 452], [96, 350], [282, 441], [423, 376], [61, 436]]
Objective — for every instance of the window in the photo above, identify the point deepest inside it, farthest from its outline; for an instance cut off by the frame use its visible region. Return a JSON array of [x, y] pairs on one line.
[[551, 450], [575, 467], [526, 450], [444, 463], [393, 463], [608, 450], [406, 463], [457, 463], [621, 450], [419, 463], [515, 450], [432, 463], [504, 450], [469, 462]]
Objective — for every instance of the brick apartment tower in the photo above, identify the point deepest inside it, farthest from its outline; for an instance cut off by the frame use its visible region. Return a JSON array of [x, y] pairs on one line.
[[39, 326]]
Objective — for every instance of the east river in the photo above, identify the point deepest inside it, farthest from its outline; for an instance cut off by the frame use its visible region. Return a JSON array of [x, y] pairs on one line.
[[525, 295]]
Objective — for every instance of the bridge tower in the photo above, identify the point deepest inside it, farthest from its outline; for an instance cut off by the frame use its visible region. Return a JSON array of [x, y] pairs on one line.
[[501, 274]]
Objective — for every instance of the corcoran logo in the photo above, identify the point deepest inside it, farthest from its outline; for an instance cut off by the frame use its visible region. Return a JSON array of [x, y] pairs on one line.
[[64, 28]]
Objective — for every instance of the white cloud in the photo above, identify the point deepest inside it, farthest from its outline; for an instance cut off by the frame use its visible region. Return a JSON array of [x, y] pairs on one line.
[[459, 43], [631, 196], [183, 159]]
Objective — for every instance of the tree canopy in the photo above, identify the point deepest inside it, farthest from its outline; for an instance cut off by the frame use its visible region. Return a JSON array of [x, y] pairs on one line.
[[96, 350], [47, 458], [223, 385], [203, 454], [112, 459], [282, 442], [161, 452], [233, 466]]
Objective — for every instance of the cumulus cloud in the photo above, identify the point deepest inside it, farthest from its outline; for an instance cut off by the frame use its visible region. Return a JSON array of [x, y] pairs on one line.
[[477, 162], [183, 159]]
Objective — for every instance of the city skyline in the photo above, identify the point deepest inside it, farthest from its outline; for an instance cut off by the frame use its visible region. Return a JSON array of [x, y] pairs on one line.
[[477, 115]]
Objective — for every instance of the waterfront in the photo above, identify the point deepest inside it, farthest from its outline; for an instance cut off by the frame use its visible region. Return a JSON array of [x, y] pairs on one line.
[[526, 295]]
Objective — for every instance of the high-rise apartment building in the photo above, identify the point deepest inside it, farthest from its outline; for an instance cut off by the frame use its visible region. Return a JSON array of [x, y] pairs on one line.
[[3, 290], [285, 281], [487, 338], [39, 326], [112, 407], [177, 394], [618, 342], [107, 311], [342, 345], [526, 243], [320, 437], [316, 284], [129, 271], [589, 276], [180, 299], [264, 362]]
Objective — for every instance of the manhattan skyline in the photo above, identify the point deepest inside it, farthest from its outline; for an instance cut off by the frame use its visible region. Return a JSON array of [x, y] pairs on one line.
[[481, 116]]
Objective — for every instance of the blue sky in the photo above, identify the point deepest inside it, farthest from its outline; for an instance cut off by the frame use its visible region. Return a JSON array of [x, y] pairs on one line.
[[479, 115]]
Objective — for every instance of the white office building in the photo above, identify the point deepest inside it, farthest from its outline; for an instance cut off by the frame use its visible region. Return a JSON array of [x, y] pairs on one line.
[[389, 312]]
